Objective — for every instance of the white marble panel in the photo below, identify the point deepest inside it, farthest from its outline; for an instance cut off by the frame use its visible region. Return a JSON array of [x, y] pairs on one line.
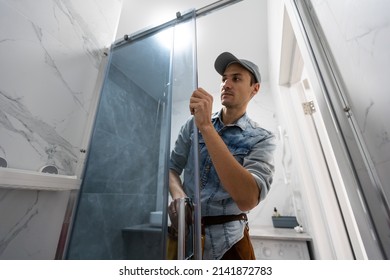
[[74, 23], [29, 231], [50, 53]]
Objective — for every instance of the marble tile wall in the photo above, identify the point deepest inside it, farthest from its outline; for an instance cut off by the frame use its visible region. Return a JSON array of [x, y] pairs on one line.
[[50, 53], [30, 223]]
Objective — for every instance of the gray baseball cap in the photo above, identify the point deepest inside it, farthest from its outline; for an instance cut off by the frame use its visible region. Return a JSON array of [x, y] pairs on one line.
[[226, 58]]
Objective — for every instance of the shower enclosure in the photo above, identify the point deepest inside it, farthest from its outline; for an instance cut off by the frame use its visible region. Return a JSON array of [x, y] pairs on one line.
[[121, 212]]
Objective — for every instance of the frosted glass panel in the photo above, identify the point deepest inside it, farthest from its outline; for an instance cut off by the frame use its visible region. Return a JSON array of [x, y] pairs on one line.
[[358, 35]]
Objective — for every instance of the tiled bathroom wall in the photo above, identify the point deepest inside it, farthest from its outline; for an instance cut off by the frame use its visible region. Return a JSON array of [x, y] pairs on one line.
[[50, 53]]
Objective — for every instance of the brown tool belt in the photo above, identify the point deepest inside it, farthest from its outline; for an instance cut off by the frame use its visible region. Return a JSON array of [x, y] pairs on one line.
[[216, 220]]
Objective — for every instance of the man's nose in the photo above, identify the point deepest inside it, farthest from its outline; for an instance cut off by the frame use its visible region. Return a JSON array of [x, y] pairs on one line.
[[226, 84]]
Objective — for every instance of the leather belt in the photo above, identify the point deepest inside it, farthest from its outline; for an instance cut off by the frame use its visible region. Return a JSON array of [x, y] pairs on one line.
[[216, 220]]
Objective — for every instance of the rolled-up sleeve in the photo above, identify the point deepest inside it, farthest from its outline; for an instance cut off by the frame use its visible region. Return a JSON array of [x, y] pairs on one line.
[[260, 163], [180, 152]]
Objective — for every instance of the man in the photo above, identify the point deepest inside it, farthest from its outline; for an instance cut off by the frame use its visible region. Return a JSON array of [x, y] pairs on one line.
[[235, 156]]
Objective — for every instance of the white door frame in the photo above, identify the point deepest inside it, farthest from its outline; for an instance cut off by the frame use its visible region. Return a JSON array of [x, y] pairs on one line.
[[329, 216]]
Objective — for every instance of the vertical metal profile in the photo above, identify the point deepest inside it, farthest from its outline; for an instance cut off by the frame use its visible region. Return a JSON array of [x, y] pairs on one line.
[[197, 202], [181, 230], [168, 115]]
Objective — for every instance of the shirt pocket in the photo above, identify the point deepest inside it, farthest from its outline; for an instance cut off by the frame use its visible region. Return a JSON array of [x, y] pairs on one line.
[[239, 153]]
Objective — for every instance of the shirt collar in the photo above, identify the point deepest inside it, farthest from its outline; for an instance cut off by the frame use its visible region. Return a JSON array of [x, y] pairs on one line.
[[242, 122]]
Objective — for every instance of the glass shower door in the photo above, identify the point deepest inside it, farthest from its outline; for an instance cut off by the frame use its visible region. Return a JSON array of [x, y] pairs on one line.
[[121, 211]]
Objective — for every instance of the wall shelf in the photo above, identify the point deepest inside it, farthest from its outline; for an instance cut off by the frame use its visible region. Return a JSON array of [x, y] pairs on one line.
[[32, 180]]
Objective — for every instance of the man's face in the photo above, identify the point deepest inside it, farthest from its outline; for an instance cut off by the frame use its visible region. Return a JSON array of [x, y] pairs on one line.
[[236, 88]]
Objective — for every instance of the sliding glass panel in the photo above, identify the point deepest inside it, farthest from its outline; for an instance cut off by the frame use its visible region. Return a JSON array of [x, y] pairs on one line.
[[119, 213], [122, 207]]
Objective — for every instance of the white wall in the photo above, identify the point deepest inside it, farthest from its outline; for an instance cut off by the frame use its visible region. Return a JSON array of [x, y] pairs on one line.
[[50, 53]]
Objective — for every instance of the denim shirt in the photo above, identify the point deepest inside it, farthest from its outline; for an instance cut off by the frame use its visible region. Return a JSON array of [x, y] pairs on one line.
[[253, 148]]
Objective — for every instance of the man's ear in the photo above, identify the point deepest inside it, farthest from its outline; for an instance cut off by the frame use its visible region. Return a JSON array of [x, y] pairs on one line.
[[255, 89]]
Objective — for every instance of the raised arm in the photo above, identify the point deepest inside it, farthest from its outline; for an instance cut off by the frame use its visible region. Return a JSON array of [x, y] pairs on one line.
[[237, 181]]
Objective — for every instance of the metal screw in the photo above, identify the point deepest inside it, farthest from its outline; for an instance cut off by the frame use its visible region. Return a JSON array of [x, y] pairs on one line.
[[347, 109]]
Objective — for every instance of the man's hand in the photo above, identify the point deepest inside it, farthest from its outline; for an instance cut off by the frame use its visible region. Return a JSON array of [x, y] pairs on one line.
[[173, 210], [201, 105]]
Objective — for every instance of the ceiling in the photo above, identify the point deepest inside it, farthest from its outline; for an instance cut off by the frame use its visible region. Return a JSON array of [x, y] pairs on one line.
[[240, 28]]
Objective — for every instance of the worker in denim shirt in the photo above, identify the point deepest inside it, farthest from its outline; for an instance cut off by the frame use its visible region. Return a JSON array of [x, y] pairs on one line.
[[236, 160]]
